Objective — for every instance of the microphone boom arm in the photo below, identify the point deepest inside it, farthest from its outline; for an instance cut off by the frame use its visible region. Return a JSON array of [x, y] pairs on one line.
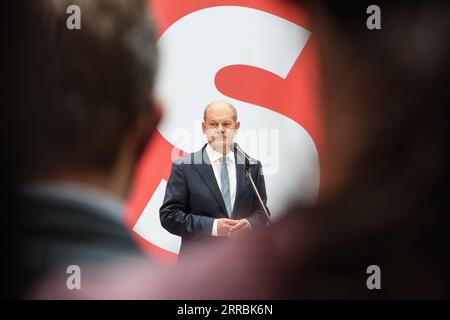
[[248, 173]]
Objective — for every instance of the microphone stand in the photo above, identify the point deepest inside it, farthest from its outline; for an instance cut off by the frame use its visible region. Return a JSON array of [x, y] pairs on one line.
[[248, 173]]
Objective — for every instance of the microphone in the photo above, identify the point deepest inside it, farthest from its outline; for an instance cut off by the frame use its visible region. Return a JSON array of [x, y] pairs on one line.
[[243, 157]]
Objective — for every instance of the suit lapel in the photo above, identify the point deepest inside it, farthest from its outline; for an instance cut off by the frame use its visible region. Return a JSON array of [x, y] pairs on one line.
[[207, 174]]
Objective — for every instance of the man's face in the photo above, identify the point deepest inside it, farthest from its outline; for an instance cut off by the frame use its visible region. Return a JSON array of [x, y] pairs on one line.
[[220, 127]]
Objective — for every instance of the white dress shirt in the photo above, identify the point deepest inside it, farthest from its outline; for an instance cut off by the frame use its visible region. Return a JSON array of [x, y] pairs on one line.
[[214, 158]]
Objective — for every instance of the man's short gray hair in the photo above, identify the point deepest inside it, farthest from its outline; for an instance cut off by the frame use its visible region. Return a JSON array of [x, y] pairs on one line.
[[233, 109]]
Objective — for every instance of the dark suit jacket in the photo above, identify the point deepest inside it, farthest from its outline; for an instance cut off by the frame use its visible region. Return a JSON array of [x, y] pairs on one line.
[[55, 233], [193, 199]]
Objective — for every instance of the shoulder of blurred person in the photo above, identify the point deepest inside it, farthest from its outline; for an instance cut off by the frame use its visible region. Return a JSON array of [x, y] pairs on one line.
[[61, 225]]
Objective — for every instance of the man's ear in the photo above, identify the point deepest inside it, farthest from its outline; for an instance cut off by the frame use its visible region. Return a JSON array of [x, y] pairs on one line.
[[237, 126]]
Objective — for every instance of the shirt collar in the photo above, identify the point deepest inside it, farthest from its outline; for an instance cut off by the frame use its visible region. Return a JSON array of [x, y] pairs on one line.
[[215, 156]]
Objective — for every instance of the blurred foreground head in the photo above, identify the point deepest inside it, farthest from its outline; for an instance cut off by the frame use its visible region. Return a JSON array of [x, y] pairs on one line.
[[84, 99], [79, 111], [384, 96]]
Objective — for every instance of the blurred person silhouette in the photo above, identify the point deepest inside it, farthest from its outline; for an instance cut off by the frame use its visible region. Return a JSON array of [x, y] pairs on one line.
[[82, 113], [385, 172]]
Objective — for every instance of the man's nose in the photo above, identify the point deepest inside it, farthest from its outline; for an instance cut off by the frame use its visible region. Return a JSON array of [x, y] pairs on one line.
[[221, 128]]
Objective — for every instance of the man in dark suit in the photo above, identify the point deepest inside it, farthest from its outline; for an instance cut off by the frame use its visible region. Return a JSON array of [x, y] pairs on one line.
[[208, 195], [84, 111]]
